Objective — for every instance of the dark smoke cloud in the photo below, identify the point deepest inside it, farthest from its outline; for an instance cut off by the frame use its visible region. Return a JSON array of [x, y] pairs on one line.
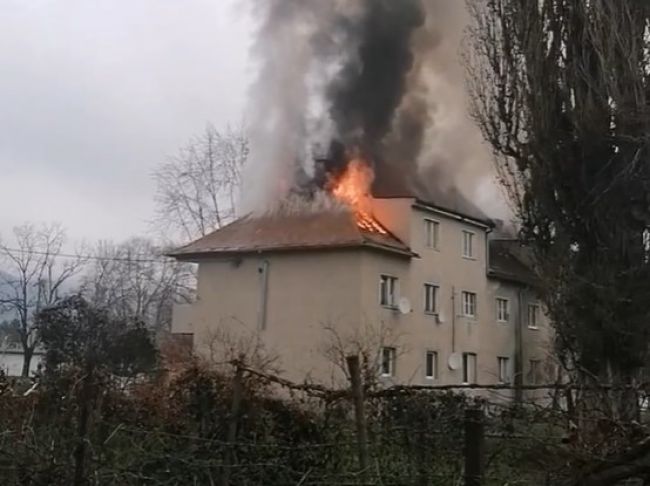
[[370, 86], [381, 76]]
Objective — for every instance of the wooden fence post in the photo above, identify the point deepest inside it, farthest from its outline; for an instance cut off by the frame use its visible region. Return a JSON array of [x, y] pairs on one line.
[[359, 414], [474, 447], [233, 422]]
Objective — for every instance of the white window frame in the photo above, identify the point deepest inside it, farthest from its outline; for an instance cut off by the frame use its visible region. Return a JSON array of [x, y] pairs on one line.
[[432, 238], [431, 357], [536, 310], [389, 284], [469, 305], [470, 359], [505, 315], [388, 359], [436, 288], [503, 369], [468, 249]]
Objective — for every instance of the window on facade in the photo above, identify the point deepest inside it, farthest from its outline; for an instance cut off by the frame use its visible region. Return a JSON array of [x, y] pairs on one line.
[[388, 361], [503, 311], [534, 372], [504, 369], [430, 298], [431, 365], [388, 291], [431, 233], [646, 245], [469, 368], [468, 244], [533, 316], [469, 304]]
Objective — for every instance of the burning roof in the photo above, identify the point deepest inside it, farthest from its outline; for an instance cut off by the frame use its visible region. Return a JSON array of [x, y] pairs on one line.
[[346, 222], [295, 230]]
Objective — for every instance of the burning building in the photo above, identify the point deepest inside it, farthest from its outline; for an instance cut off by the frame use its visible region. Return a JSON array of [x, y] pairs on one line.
[[371, 246], [422, 286]]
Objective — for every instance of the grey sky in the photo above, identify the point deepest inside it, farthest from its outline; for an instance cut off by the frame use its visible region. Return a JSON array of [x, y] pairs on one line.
[[94, 94]]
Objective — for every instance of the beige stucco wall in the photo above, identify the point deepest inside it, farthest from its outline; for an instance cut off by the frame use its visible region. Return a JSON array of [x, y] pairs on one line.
[[306, 295], [536, 343], [445, 266], [308, 291]]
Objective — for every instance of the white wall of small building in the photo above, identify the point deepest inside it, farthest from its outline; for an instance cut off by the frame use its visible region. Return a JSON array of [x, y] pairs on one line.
[[11, 363]]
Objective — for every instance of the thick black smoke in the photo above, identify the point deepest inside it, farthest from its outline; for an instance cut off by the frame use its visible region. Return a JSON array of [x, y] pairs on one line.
[[377, 76], [367, 91], [369, 88]]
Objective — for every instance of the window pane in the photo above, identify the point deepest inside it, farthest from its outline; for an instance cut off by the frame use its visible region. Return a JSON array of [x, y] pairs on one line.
[[431, 232], [502, 310], [388, 361], [432, 364], [465, 372], [468, 243], [387, 290], [469, 304], [385, 362], [430, 298], [533, 373], [503, 367], [533, 310], [469, 368]]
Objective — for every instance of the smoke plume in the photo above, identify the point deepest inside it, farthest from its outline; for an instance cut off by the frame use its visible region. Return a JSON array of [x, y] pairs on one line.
[[382, 76]]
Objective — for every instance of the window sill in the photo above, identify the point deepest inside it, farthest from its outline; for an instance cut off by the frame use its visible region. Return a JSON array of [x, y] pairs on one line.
[[533, 328], [431, 313], [471, 318], [389, 307], [471, 258], [502, 322]]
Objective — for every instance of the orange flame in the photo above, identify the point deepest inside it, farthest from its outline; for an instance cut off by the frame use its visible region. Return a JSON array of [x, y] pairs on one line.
[[353, 189]]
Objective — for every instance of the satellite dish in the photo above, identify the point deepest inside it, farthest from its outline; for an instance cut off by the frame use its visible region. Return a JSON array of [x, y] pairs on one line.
[[455, 361], [404, 305]]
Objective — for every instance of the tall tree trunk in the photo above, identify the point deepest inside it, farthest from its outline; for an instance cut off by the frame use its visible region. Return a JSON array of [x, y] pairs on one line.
[[28, 353]]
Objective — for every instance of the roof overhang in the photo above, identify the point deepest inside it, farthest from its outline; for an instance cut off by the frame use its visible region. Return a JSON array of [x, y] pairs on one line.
[[234, 254], [514, 279], [453, 214]]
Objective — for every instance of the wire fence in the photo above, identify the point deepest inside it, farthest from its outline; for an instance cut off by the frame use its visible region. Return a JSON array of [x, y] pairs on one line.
[[250, 428]]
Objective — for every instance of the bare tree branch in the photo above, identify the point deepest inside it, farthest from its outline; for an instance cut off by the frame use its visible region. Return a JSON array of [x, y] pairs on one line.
[[32, 278], [133, 280], [198, 188]]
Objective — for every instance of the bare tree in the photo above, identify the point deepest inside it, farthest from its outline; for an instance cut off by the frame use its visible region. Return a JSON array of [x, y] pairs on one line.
[[197, 189], [134, 280], [33, 277], [231, 340], [366, 342]]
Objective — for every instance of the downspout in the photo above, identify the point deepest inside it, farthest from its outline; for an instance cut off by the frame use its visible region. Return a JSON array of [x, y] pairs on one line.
[[487, 250], [264, 295], [453, 319], [519, 351]]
